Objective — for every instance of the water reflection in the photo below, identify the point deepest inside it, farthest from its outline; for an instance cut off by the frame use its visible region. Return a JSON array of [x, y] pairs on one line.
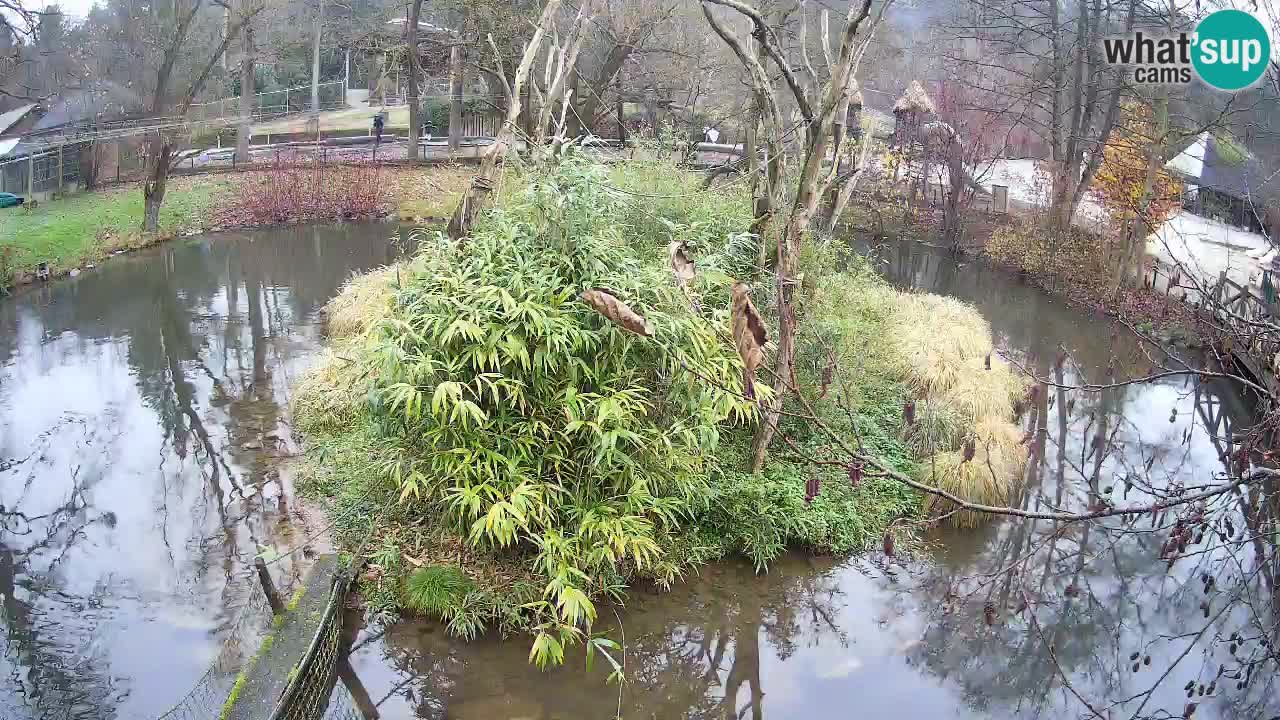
[[141, 423], [1017, 619], [810, 639]]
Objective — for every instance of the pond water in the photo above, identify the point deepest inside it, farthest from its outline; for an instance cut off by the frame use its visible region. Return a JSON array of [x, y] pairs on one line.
[[141, 410]]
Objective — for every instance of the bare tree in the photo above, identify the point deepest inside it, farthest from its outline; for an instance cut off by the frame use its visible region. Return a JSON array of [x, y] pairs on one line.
[[1053, 68], [477, 195], [817, 112], [161, 145], [555, 93]]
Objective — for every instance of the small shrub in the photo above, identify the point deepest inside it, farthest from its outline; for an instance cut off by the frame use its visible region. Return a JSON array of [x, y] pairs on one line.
[[302, 189], [437, 589], [989, 478]]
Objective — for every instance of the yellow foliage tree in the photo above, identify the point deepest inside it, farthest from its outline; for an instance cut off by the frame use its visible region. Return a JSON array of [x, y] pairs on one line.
[[1121, 181]]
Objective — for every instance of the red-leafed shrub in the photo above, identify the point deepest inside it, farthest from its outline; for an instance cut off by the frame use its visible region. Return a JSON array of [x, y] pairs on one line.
[[301, 189]]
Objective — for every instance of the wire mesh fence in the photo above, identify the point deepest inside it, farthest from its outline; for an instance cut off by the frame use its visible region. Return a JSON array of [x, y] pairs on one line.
[[307, 696], [333, 95], [52, 170], [206, 698]]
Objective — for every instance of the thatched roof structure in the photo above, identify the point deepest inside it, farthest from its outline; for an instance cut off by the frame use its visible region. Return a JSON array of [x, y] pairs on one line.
[[855, 96], [915, 100]]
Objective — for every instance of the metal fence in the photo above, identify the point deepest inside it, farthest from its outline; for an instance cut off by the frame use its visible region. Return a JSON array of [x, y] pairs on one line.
[[206, 699], [333, 95], [54, 170], [308, 696]]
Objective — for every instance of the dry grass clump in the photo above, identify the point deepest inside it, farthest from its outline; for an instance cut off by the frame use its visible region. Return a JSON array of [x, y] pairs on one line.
[[362, 303], [943, 348], [981, 393], [328, 396], [937, 338], [988, 478], [937, 427]]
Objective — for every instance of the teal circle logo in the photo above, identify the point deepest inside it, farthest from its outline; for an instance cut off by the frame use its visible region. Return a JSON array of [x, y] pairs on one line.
[[1231, 50]]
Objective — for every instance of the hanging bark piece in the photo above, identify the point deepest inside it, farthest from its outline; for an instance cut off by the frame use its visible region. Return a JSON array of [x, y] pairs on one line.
[[749, 336], [616, 311], [681, 265]]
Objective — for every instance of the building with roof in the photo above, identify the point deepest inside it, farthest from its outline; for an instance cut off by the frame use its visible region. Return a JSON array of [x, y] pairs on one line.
[[19, 120], [1223, 181]]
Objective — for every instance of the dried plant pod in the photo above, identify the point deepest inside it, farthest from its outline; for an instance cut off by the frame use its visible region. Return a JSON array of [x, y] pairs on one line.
[[749, 336], [681, 264], [618, 312], [828, 374], [855, 473]]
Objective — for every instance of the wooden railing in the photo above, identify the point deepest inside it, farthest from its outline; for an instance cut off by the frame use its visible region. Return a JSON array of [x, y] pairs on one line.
[[1248, 321]]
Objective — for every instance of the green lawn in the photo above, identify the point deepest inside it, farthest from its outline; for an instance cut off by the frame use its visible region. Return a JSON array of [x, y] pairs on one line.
[[85, 227]]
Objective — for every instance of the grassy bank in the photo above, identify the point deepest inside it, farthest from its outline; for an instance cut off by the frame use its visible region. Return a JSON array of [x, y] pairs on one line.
[[516, 455], [87, 227]]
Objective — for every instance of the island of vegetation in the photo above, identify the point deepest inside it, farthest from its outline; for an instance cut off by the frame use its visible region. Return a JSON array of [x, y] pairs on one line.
[[516, 450]]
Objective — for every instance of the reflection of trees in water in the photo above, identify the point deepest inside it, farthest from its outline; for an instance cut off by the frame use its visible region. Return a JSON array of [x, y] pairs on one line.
[[703, 663], [204, 329], [45, 669], [1099, 592]]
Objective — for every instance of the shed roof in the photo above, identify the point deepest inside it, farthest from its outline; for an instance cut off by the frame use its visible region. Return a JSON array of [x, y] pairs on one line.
[[915, 99], [11, 118], [1220, 164]]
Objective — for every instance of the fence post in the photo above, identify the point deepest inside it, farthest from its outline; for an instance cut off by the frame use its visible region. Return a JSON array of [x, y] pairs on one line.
[[268, 587], [455, 97], [31, 177], [61, 186]]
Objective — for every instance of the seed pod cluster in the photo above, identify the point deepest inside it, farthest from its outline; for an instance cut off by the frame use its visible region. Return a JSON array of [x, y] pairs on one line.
[[812, 487], [855, 474]]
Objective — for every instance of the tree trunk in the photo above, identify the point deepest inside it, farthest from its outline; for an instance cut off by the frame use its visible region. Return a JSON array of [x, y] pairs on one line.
[[415, 111], [563, 86], [315, 61], [477, 196], [248, 86], [1129, 269], [596, 88], [455, 97], [158, 153]]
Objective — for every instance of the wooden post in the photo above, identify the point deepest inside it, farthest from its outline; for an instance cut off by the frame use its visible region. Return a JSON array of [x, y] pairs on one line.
[[268, 587], [527, 112], [455, 97], [622, 126], [60, 172], [31, 177]]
